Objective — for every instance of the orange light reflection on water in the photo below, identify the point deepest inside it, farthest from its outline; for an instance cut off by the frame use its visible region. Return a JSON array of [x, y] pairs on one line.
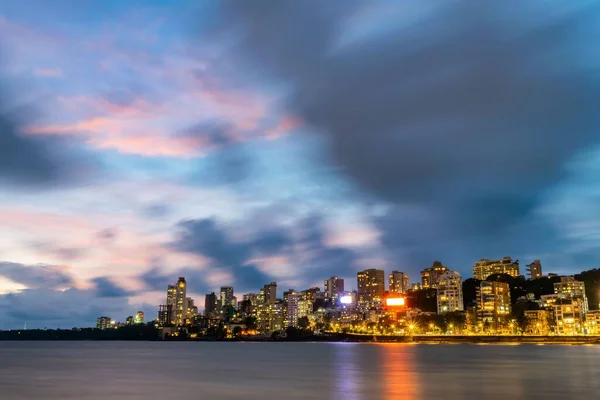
[[400, 381]]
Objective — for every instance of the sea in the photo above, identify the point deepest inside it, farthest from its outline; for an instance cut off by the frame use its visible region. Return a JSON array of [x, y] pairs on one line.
[[273, 371]]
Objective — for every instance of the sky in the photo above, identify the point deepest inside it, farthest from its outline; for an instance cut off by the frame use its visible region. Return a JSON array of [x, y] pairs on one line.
[[239, 143]]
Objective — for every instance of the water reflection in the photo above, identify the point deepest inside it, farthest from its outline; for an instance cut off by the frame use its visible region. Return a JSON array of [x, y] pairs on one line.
[[346, 375], [400, 380]]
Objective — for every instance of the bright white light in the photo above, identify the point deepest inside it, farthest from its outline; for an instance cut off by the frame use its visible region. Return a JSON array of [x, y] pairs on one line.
[[346, 299], [395, 301]]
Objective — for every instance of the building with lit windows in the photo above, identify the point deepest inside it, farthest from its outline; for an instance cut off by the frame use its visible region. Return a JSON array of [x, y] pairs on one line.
[[305, 308], [334, 286], [103, 323], [572, 289], [139, 317], [165, 314], [534, 270], [290, 301], [568, 316], [399, 282], [180, 301], [493, 303], [270, 293], [484, 268], [371, 285], [225, 296], [538, 322], [592, 322], [431, 275], [449, 293], [129, 320]]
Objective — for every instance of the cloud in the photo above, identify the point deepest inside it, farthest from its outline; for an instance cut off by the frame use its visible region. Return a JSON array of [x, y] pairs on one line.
[[48, 72], [105, 287], [465, 112], [36, 276]]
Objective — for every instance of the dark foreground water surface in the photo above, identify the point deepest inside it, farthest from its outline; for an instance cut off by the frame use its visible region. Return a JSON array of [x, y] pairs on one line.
[[273, 371]]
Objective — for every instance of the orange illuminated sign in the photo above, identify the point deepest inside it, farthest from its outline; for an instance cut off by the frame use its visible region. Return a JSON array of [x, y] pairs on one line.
[[395, 301]]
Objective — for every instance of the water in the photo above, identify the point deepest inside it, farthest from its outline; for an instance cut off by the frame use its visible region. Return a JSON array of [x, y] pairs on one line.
[[273, 371]]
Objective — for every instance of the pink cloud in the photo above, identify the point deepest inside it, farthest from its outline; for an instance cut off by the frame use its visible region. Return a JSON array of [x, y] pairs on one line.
[[48, 72], [285, 125]]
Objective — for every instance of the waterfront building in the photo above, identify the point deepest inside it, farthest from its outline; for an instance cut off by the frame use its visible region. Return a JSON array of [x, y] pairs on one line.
[[548, 300], [104, 323], [371, 285], [449, 293], [290, 301], [311, 294], [210, 304], [568, 316], [534, 270], [165, 314], [493, 303], [180, 301], [572, 289], [538, 322], [334, 286], [225, 297], [431, 275], [305, 308], [128, 320], [172, 301], [399, 282], [191, 311], [270, 293], [484, 268], [139, 317], [592, 322]]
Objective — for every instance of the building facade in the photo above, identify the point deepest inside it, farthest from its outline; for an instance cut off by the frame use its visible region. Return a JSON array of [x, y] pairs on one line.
[[493, 303], [270, 293], [431, 275], [333, 286], [484, 268], [210, 303], [371, 285], [568, 316], [399, 282], [592, 322], [180, 301], [449, 293], [538, 322], [103, 323], [572, 289], [534, 270], [291, 299], [139, 317], [225, 297]]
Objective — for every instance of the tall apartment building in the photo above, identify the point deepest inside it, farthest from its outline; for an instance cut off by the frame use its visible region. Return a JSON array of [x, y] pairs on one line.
[[371, 285], [399, 282], [210, 303], [592, 322], [270, 293], [534, 270], [165, 314], [139, 317], [569, 316], [225, 296], [180, 301], [431, 275], [334, 286], [484, 268], [449, 293], [493, 302], [572, 289], [103, 323], [290, 301]]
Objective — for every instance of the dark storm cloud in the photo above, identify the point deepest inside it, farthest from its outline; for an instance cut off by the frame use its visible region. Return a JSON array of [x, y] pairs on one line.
[[307, 252], [107, 288], [35, 161], [35, 276], [468, 110]]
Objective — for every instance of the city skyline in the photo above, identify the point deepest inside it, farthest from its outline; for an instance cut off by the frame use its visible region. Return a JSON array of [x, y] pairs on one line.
[[145, 140]]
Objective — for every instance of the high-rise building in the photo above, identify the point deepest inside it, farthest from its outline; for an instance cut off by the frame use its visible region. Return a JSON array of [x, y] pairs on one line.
[[572, 289], [270, 293], [226, 296], [210, 303], [484, 268], [493, 302], [139, 317], [449, 293], [431, 275], [334, 286], [165, 314], [191, 310], [180, 301], [103, 323], [399, 282], [371, 285], [535, 269], [290, 300]]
